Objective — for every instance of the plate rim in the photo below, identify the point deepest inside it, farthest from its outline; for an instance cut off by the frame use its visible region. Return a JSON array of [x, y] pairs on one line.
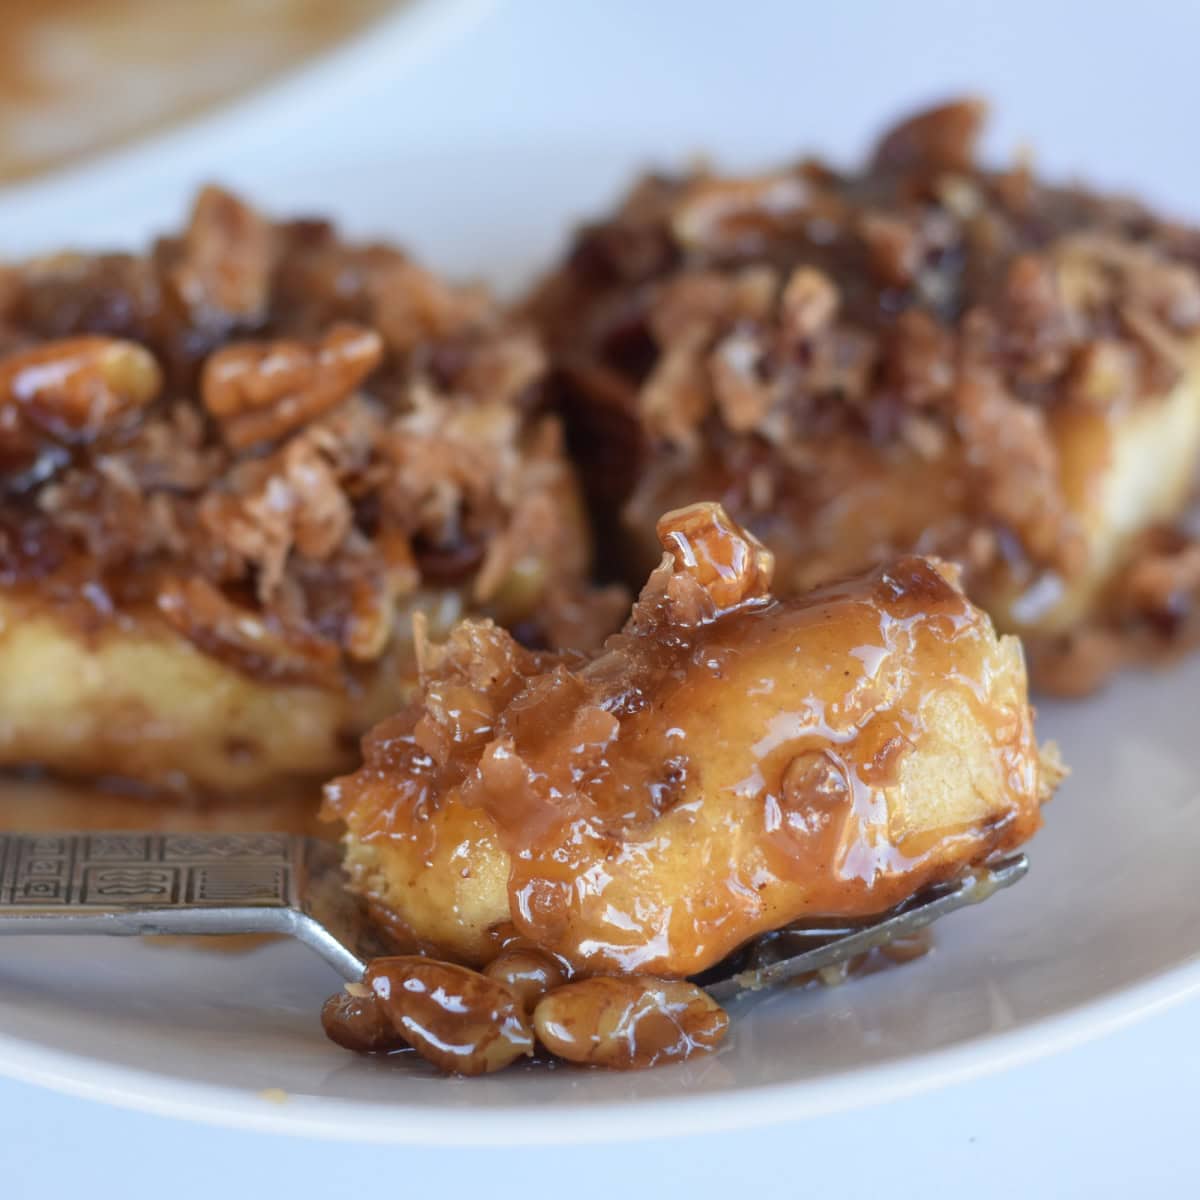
[[625, 1120]]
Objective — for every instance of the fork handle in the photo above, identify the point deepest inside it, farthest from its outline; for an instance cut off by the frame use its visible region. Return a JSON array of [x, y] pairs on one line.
[[90, 875], [134, 883], [183, 883]]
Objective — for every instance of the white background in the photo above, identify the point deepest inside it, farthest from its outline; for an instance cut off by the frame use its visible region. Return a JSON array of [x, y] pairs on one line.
[[1107, 90]]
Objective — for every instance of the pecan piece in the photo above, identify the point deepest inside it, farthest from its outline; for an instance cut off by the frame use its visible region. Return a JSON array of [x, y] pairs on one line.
[[743, 398], [1015, 470], [629, 1023], [722, 215], [224, 275], [458, 1019], [938, 139], [729, 563], [71, 391], [893, 248], [677, 395], [527, 972], [260, 391], [354, 1019]]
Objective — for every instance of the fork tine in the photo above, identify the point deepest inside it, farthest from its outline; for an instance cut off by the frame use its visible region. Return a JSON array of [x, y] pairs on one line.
[[971, 889]]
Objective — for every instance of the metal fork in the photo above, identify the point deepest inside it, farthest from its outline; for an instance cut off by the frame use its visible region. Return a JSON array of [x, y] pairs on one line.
[[212, 883]]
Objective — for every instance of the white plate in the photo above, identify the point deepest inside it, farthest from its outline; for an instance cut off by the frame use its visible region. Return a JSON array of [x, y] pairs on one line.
[[1103, 931]]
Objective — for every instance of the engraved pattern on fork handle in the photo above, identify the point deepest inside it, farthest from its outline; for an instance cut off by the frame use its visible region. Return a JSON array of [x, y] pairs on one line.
[[92, 873]]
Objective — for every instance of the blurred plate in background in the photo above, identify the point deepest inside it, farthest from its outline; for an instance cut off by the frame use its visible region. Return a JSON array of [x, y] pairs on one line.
[[79, 77]]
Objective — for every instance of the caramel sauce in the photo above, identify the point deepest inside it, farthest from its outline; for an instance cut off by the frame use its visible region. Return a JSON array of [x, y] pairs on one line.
[[909, 947], [728, 764], [805, 780]]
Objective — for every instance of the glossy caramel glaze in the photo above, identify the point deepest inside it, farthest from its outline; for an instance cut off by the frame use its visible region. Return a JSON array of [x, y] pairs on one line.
[[456, 1018], [629, 1023], [528, 974], [469, 1023], [726, 765]]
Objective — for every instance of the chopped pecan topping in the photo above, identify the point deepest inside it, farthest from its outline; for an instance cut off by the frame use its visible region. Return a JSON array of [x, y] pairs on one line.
[[893, 249], [865, 363], [735, 213], [291, 500], [1016, 470], [412, 306], [260, 391], [677, 396], [1162, 585], [734, 366], [286, 443]]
